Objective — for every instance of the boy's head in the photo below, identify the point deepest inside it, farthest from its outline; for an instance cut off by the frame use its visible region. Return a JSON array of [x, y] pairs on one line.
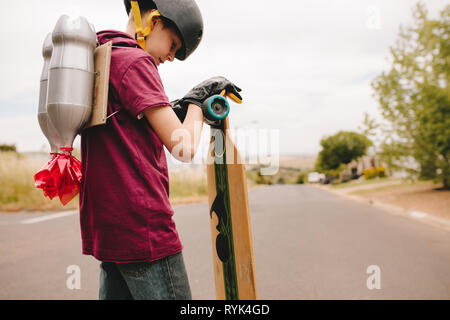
[[170, 29], [163, 41]]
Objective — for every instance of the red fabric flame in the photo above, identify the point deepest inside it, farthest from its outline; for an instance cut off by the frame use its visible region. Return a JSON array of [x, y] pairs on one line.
[[60, 176]]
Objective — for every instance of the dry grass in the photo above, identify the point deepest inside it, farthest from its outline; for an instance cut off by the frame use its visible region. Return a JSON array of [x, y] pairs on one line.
[[188, 185], [424, 196], [384, 185], [363, 182], [17, 190]]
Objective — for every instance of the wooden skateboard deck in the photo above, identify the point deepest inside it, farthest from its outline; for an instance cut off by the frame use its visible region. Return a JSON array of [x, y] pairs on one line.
[[233, 259]]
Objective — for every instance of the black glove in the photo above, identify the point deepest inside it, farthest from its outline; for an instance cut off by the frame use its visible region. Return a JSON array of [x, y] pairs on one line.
[[179, 110], [208, 88]]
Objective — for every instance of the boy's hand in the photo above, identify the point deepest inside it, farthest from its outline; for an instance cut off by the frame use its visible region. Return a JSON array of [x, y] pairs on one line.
[[208, 88]]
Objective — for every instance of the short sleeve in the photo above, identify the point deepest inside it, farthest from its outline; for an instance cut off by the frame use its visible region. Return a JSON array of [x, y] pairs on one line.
[[141, 87]]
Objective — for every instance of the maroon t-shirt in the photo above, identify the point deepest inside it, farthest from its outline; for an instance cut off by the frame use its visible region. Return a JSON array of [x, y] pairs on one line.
[[125, 213]]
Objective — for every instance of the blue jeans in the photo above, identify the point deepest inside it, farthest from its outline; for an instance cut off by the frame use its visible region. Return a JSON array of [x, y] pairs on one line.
[[163, 279]]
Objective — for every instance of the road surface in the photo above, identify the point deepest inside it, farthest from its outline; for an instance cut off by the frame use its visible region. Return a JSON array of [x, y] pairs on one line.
[[308, 244]]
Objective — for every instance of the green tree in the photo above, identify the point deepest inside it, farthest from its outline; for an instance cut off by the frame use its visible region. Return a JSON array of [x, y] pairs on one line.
[[341, 148], [369, 126], [414, 95]]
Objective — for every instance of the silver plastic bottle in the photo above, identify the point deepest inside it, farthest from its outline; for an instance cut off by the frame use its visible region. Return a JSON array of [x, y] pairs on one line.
[[46, 125], [71, 77]]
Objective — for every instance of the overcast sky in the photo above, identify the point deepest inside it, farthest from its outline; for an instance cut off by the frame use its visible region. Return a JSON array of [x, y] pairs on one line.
[[305, 67]]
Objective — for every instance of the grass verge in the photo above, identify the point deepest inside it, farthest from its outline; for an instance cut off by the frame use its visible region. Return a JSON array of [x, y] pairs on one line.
[[400, 185], [357, 183], [17, 190]]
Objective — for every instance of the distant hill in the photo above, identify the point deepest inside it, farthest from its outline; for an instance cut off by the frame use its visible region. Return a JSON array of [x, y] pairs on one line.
[[304, 162]]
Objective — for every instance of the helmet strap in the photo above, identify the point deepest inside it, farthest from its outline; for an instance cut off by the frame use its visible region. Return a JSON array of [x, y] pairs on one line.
[[138, 22]]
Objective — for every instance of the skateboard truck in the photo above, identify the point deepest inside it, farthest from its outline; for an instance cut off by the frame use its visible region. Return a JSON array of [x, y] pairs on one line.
[[216, 108]]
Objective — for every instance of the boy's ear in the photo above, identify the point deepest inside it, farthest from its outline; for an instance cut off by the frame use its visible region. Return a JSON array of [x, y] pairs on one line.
[[155, 20]]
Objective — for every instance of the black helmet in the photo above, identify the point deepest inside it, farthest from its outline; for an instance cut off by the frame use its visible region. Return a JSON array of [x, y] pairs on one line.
[[186, 16]]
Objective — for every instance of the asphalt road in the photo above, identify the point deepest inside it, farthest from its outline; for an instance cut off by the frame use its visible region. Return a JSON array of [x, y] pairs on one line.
[[308, 244]]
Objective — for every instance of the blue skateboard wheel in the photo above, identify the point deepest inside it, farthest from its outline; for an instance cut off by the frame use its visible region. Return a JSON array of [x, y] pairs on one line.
[[217, 107]]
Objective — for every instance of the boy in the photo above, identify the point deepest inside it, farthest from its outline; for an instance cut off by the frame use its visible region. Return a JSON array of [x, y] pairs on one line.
[[125, 214]]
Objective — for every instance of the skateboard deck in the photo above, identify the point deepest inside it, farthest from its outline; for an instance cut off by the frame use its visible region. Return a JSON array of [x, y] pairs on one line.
[[233, 259]]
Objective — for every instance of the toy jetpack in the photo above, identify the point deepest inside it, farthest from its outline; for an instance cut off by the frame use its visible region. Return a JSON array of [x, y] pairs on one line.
[[68, 89]]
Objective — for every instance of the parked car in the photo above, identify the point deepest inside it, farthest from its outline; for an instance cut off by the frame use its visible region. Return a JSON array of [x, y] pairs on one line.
[[316, 177]]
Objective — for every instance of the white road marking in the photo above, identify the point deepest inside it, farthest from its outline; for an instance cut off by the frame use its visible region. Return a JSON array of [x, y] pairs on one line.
[[49, 217]]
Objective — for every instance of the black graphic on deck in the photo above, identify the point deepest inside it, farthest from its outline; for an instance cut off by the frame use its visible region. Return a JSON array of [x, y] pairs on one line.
[[221, 207]]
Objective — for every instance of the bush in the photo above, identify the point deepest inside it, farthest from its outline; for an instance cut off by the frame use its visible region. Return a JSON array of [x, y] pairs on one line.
[[369, 173], [260, 179], [380, 172], [281, 181], [374, 172], [301, 178], [8, 148]]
